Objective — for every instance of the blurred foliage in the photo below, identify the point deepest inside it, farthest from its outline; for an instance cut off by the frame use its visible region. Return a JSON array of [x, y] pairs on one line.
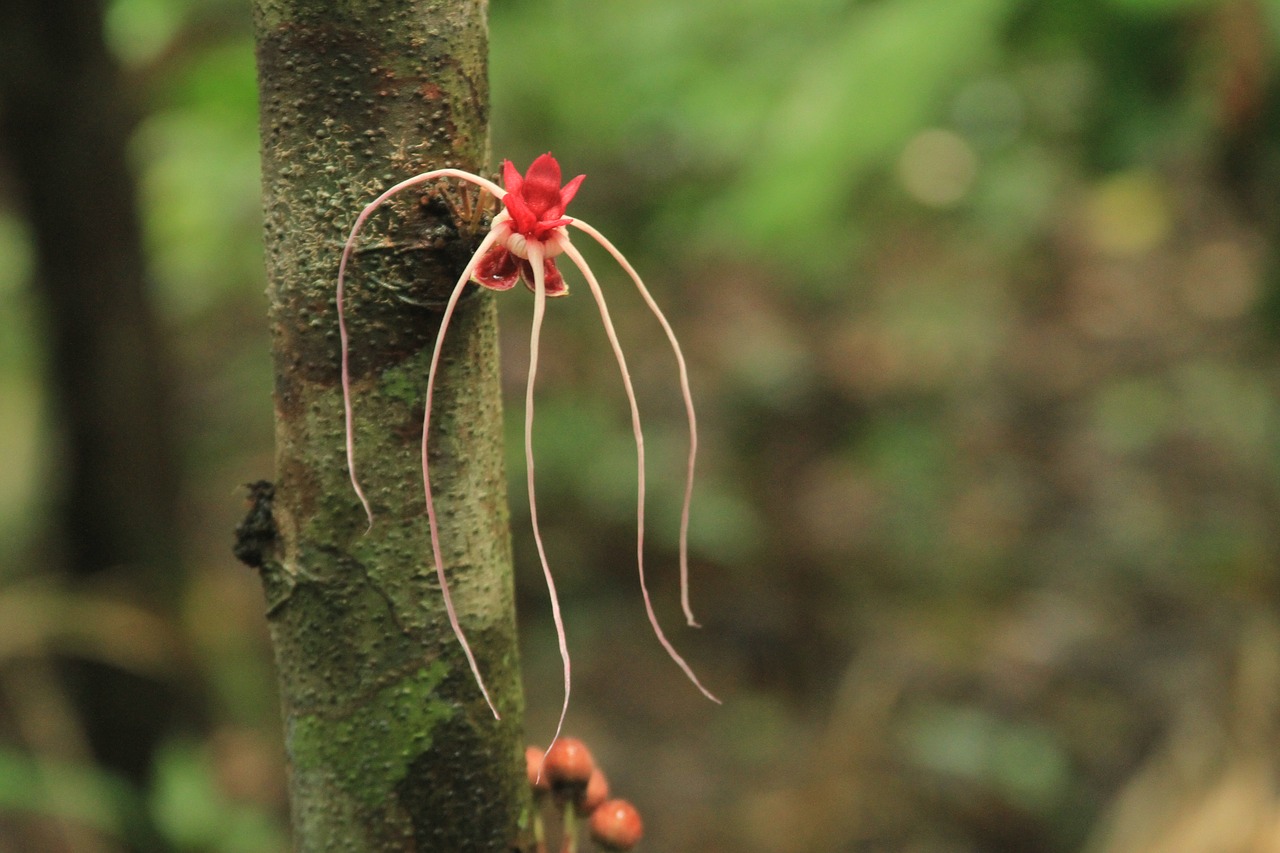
[[979, 302]]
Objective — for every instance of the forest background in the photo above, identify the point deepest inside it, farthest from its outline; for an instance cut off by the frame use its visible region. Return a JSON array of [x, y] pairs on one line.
[[981, 305]]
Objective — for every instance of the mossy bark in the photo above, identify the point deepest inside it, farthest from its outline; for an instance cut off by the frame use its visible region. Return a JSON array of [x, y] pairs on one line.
[[390, 744]]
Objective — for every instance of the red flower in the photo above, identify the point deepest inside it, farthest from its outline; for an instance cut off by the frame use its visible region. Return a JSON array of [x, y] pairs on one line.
[[533, 223], [535, 206]]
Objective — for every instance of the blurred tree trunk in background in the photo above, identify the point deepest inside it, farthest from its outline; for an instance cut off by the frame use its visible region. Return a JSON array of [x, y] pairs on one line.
[[390, 744], [64, 130]]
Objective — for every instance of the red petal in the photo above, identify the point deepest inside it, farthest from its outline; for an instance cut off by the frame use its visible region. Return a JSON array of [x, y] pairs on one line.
[[553, 282], [498, 269], [569, 191], [541, 188], [511, 177], [542, 229], [522, 218]]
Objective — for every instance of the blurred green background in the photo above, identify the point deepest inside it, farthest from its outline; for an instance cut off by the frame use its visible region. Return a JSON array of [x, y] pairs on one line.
[[980, 303]]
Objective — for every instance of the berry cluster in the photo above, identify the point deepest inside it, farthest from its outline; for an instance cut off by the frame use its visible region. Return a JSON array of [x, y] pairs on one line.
[[567, 777]]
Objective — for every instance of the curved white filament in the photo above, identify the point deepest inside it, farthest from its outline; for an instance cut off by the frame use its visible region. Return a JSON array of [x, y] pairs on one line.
[[536, 258], [463, 280], [688, 406], [348, 412], [347, 249], [596, 292]]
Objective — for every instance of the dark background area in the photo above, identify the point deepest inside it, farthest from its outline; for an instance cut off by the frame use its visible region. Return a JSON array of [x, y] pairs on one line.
[[980, 304]]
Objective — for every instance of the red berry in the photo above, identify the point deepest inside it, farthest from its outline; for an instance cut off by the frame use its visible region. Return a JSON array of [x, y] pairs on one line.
[[596, 792], [533, 769], [615, 825], [568, 763]]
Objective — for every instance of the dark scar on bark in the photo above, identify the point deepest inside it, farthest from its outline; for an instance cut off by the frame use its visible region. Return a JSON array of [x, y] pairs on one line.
[[256, 534]]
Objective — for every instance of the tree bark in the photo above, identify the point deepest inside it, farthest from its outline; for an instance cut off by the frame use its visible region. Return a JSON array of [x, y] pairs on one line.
[[390, 744]]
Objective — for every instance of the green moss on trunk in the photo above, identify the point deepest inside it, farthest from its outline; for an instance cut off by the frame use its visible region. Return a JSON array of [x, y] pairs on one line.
[[391, 746]]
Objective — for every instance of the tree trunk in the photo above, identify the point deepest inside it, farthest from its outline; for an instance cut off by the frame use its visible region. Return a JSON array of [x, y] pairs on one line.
[[390, 744]]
